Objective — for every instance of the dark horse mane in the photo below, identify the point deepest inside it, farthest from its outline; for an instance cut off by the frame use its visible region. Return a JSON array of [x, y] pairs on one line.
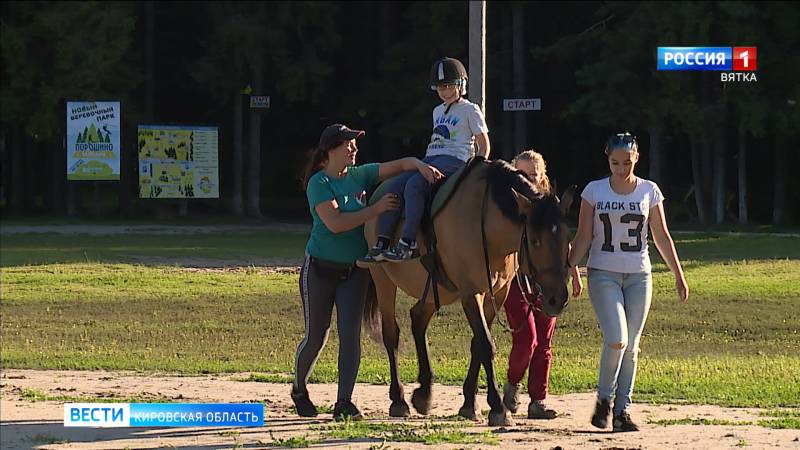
[[503, 177]]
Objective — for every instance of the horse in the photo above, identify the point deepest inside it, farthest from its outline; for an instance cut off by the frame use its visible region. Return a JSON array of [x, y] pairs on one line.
[[494, 221]]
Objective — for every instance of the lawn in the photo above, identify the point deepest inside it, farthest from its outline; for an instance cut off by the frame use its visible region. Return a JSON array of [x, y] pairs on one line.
[[89, 302]]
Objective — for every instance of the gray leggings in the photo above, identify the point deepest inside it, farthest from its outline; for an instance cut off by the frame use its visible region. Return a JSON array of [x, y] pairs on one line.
[[320, 288]]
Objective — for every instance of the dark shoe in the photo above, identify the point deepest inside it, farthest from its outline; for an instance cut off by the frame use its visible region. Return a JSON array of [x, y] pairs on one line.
[[511, 396], [303, 404], [537, 410], [374, 256], [403, 251], [602, 410], [346, 410], [623, 423]]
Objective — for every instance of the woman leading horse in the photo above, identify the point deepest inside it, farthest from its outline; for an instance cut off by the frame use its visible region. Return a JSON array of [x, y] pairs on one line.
[[494, 222]]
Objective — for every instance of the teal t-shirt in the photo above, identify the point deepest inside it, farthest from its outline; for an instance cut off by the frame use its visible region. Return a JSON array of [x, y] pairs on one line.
[[350, 193]]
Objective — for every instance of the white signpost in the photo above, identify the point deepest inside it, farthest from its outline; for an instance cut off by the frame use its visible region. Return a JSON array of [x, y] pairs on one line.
[[522, 104], [259, 101]]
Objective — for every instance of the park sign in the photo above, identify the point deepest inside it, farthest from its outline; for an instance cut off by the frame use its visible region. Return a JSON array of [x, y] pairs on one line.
[[178, 161], [522, 104], [93, 140]]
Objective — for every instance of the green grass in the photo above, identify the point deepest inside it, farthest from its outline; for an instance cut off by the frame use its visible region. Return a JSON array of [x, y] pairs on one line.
[[737, 341], [47, 439], [38, 249], [292, 442], [428, 433], [699, 421], [35, 395], [781, 413], [268, 378], [783, 419]]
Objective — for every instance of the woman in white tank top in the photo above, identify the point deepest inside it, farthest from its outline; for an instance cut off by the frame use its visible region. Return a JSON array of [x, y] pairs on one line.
[[613, 223]]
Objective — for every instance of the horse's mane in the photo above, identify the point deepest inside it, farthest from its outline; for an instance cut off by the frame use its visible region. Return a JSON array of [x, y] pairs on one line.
[[503, 177]]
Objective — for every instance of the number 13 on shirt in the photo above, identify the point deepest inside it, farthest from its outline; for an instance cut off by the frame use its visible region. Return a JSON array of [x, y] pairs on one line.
[[633, 231]]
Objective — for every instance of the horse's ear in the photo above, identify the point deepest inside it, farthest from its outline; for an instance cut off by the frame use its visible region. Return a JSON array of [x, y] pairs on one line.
[[566, 199], [524, 205]]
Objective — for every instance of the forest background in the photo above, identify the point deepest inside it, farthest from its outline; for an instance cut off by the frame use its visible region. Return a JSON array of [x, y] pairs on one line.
[[722, 152]]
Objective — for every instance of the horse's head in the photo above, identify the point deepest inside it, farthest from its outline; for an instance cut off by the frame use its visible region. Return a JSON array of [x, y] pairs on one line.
[[544, 247], [544, 242]]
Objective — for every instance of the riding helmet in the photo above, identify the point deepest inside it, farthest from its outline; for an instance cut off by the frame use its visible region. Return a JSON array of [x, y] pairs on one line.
[[449, 71]]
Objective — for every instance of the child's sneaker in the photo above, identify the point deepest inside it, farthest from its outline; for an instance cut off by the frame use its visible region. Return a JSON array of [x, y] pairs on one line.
[[374, 256], [403, 251], [537, 410]]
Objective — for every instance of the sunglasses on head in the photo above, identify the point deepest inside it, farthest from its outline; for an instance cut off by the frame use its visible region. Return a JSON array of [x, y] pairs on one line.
[[625, 141]]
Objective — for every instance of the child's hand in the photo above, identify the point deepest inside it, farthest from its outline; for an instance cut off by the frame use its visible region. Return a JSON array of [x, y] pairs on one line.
[[431, 174], [387, 203]]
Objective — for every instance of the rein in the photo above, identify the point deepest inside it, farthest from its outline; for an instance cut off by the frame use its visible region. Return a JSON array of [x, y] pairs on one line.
[[486, 259], [523, 249]]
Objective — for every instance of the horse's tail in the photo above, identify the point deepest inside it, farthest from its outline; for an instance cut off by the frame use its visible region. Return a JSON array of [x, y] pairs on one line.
[[372, 314]]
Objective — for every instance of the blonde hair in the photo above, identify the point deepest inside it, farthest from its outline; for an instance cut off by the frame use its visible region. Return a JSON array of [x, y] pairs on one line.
[[536, 159]]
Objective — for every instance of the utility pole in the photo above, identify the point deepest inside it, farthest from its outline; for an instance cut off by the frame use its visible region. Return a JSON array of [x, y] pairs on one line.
[[518, 62], [476, 86]]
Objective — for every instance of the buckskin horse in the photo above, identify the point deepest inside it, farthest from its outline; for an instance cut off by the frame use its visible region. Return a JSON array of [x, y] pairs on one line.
[[494, 221]]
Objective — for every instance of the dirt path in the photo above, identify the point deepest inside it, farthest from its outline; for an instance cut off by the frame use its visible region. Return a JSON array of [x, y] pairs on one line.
[[27, 424]]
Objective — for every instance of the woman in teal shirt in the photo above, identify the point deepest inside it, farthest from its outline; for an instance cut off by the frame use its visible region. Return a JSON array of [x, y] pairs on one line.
[[336, 189]]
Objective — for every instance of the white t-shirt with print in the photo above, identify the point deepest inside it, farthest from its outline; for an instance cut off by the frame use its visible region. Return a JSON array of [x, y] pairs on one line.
[[454, 133], [620, 222]]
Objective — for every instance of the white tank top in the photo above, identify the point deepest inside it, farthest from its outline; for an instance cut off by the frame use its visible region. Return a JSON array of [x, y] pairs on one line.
[[619, 229]]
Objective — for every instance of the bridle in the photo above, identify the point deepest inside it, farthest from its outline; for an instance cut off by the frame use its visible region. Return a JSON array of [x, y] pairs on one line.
[[522, 253]]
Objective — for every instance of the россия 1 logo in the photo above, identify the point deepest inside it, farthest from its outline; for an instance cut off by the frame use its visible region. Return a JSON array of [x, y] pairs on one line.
[[735, 63]]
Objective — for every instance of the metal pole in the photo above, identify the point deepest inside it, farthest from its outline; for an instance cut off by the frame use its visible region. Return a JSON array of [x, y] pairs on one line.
[[477, 53], [518, 62]]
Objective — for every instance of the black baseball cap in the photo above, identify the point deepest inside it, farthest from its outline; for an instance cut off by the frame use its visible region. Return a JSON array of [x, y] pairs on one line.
[[334, 134]]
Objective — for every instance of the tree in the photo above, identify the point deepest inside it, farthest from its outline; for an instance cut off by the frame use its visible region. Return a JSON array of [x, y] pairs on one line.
[[46, 61], [781, 69], [284, 57]]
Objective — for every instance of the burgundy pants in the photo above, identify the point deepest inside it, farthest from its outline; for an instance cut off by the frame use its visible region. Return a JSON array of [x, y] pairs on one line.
[[530, 347]]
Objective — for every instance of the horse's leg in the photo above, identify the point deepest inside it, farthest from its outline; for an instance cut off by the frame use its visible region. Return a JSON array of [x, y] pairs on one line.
[[421, 315], [484, 351], [387, 296], [468, 409]]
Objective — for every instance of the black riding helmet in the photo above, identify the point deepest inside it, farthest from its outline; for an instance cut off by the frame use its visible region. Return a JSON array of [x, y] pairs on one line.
[[449, 71]]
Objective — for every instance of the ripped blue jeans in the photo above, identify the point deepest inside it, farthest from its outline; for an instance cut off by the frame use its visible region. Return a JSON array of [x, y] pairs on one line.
[[621, 302]]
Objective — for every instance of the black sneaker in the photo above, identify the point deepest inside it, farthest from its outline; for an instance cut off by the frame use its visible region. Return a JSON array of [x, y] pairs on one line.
[[303, 404], [537, 410], [602, 410], [623, 423], [346, 410], [374, 256], [403, 251]]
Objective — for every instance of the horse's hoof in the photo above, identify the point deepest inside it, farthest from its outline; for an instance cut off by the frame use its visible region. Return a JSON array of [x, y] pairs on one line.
[[399, 409], [469, 413], [422, 401], [500, 419]]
